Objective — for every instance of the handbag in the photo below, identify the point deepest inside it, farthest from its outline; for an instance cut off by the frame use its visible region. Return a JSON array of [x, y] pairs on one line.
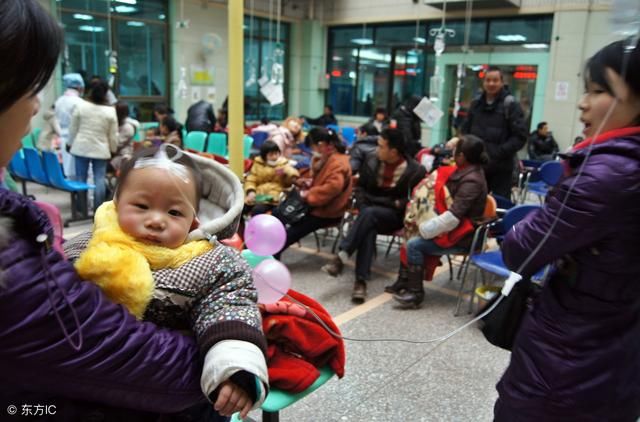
[[501, 325], [291, 209]]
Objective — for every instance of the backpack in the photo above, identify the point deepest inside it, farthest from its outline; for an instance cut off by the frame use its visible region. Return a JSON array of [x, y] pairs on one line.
[[421, 206], [506, 104]]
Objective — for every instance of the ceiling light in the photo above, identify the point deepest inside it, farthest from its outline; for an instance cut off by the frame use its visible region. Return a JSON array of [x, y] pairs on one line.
[[362, 41], [541, 45], [162, 16], [82, 17], [511, 38], [125, 9], [127, 1], [135, 23], [89, 28], [419, 40], [336, 58]]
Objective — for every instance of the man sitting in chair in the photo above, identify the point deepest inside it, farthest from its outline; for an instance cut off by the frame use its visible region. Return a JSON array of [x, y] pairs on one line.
[[386, 178]]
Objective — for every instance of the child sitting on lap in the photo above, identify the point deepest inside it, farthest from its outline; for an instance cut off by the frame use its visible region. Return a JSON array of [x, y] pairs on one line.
[[144, 229], [269, 176]]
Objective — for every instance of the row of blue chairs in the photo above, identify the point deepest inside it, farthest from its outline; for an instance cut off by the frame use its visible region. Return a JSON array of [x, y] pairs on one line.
[[215, 143], [28, 165]]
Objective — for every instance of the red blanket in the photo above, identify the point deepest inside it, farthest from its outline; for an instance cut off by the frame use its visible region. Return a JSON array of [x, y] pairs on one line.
[[298, 344]]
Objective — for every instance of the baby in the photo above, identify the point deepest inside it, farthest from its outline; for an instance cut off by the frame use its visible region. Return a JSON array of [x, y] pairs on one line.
[[145, 229]]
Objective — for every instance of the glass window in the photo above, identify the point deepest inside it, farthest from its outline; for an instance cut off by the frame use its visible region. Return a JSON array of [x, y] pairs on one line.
[[398, 64], [142, 59], [138, 30], [261, 47], [86, 41], [138, 9], [534, 29]]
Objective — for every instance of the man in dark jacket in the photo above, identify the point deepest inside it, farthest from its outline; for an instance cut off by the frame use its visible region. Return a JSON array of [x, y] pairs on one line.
[[200, 116], [326, 119], [497, 118], [365, 145], [542, 146], [383, 190], [409, 124]]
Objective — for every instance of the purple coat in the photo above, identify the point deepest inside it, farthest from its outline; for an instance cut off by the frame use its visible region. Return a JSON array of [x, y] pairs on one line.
[[120, 362], [577, 354]]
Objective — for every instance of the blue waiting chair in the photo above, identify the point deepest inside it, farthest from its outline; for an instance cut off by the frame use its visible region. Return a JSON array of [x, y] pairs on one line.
[[195, 140], [259, 138], [18, 168], [78, 190], [334, 128], [549, 173], [349, 135], [491, 261], [278, 399], [247, 144], [36, 168], [217, 144]]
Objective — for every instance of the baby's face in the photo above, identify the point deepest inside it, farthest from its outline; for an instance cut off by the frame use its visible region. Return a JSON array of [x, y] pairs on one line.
[[156, 207]]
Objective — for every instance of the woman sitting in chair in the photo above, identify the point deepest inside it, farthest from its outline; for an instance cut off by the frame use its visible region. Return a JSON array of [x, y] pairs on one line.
[[329, 190], [460, 194]]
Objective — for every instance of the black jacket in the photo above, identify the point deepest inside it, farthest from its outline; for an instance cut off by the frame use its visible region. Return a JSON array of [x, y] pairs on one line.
[[200, 116], [369, 193], [540, 148], [500, 126], [360, 150], [409, 124], [323, 120]]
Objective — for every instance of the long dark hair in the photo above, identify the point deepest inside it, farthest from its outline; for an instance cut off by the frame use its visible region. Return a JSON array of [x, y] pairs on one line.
[[320, 134], [122, 111], [30, 42]]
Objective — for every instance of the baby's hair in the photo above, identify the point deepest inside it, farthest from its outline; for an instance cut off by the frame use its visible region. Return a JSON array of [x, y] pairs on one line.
[[150, 152], [267, 147]]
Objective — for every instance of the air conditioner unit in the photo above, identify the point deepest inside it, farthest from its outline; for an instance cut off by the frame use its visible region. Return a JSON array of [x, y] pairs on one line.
[[456, 5]]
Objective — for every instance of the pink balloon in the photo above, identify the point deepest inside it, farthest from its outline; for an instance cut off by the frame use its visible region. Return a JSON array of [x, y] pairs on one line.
[[265, 235], [272, 280]]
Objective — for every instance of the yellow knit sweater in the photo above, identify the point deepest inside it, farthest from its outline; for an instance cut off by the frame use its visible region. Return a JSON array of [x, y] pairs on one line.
[[122, 265]]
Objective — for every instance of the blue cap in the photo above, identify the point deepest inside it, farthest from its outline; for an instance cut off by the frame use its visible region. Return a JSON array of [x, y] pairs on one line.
[[73, 80]]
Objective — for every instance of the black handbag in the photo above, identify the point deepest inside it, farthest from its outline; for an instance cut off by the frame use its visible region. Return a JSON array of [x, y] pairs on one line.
[[501, 325], [291, 209]]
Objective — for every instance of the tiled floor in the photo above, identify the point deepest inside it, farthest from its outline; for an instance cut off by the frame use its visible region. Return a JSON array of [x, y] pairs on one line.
[[384, 381]]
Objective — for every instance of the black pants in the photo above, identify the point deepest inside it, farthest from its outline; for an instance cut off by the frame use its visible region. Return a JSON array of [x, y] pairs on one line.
[[500, 183], [371, 221], [308, 224]]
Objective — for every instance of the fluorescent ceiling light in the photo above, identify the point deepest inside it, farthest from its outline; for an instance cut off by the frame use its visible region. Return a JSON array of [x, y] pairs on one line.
[[476, 68], [511, 38], [352, 75], [382, 65], [82, 17], [127, 1], [336, 58], [541, 45], [162, 16], [419, 40], [135, 23], [125, 9], [89, 28], [362, 41]]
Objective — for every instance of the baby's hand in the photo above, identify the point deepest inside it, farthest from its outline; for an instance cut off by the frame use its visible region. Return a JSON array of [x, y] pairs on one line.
[[232, 399]]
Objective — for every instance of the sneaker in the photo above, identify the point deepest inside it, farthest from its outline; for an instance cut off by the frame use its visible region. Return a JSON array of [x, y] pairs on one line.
[[359, 293], [334, 267]]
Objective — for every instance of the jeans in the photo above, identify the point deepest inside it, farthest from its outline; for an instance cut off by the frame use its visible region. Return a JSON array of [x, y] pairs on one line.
[[99, 167], [362, 235], [418, 248]]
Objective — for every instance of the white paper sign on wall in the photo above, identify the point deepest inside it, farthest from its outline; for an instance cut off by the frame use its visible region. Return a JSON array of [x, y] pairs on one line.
[[562, 91]]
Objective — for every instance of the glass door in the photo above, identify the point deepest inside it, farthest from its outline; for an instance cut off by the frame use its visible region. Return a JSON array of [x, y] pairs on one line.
[[408, 76]]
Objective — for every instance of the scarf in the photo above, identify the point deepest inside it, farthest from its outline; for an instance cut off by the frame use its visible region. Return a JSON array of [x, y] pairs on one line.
[[121, 265]]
